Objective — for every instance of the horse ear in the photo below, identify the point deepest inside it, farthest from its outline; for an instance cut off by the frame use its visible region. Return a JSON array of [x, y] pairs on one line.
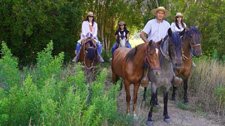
[[159, 42], [150, 42], [182, 33], [169, 32], [187, 29]]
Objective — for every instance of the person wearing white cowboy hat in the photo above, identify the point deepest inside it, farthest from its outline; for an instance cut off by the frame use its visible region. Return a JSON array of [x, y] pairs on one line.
[[178, 25], [89, 27], [122, 30], [156, 29]]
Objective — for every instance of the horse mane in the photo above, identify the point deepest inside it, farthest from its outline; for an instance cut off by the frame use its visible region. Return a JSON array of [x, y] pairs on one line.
[[130, 55], [176, 39], [193, 30]]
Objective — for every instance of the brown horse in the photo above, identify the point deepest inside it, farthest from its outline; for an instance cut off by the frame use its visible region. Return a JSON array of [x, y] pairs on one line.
[[129, 65], [88, 54], [191, 40]]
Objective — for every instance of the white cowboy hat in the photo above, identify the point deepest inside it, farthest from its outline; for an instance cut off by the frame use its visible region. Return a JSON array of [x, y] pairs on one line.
[[179, 14], [154, 11], [90, 14]]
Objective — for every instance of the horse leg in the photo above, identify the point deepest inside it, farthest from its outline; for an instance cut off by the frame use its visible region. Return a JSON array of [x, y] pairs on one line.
[[136, 87], [165, 112], [152, 102], [144, 95], [128, 97], [174, 94], [156, 99], [185, 91]]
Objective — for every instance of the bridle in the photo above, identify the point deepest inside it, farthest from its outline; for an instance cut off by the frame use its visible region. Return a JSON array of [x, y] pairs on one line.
[[192, 47], [147, 60]]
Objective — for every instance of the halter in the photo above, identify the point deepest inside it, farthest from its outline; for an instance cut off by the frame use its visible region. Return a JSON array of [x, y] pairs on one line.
[[92, 63], [147, 60]]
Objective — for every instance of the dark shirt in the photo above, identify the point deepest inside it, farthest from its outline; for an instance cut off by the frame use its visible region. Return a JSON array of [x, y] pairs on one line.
[[122, 32]]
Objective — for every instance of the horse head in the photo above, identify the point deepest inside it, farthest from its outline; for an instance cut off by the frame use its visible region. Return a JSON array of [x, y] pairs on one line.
[[89, 53], [174, 48], [193, 35], [152, 56], [122, 39]]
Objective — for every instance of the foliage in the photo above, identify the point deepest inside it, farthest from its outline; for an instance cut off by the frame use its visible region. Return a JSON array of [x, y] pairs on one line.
[[44, 97], [9, 72]]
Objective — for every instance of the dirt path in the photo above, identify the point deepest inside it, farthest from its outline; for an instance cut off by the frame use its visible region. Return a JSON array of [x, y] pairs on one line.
[[178, 116]]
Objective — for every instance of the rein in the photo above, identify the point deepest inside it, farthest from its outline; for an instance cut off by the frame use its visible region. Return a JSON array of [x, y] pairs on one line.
[[147, 60], [166, 56]]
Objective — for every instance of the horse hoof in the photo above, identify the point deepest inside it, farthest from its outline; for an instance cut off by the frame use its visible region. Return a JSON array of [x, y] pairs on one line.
[[149, 123], [167, 120], [135, 118], [128, 116]]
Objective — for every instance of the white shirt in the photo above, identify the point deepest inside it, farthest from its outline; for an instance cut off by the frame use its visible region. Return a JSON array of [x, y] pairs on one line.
[[174, 28], [156, 30], [86, 29]]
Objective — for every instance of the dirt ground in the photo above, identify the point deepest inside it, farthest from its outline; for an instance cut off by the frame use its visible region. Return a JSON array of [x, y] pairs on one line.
[[178, 117]]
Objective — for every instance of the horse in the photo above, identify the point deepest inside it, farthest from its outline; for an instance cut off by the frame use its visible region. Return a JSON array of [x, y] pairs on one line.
[[170, 60], [129, 64], [191, 40], [122, 39], [88, 54]]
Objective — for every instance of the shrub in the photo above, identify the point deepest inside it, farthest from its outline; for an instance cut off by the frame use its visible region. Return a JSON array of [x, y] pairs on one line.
[[43, 97]]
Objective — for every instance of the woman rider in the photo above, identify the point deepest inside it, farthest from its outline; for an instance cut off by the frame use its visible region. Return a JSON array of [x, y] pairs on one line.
[[89, 26]]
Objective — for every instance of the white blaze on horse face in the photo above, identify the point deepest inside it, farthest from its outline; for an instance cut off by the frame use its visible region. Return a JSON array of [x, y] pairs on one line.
[[157, 51]]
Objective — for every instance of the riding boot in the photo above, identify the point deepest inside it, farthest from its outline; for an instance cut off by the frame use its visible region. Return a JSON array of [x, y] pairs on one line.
[[145, 81], [193, 64], [100, 59], [176, 81], [76, 58]]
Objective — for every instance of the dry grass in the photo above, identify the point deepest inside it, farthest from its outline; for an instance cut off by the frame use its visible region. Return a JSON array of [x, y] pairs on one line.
[[208, 76]]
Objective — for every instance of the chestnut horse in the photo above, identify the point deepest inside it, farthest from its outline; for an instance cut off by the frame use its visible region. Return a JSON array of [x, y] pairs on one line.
[[191, 40], [88, 54], [129, 65]]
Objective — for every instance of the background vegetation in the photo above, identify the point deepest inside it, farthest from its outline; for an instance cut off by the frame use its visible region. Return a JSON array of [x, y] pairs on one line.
[[27, 26]]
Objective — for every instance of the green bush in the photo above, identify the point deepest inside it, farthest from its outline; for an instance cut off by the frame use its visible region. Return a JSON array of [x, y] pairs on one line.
[[10, 74], [43, 97]]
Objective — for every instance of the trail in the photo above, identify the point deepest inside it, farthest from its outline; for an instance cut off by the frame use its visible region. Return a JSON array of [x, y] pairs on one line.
[[178, 117]]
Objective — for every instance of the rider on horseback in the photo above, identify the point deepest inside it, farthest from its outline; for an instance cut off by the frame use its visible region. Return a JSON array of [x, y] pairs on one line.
[[122, 30], [89, 26], [179, 26], [156, 29]]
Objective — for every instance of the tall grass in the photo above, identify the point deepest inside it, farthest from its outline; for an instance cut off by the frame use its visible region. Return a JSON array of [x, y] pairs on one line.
[[50, 95], [207, 83]]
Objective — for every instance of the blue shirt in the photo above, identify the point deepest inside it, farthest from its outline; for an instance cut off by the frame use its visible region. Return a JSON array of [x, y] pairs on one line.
[[156, 30]]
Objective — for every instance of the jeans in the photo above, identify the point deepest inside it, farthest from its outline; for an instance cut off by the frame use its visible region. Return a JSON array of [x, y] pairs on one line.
[[116, 44], [98, 44]]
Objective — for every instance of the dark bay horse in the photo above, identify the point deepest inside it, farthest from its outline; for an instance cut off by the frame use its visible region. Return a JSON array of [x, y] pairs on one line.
[[88, 54], [129, 65], [170, 60], [191, 40]]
